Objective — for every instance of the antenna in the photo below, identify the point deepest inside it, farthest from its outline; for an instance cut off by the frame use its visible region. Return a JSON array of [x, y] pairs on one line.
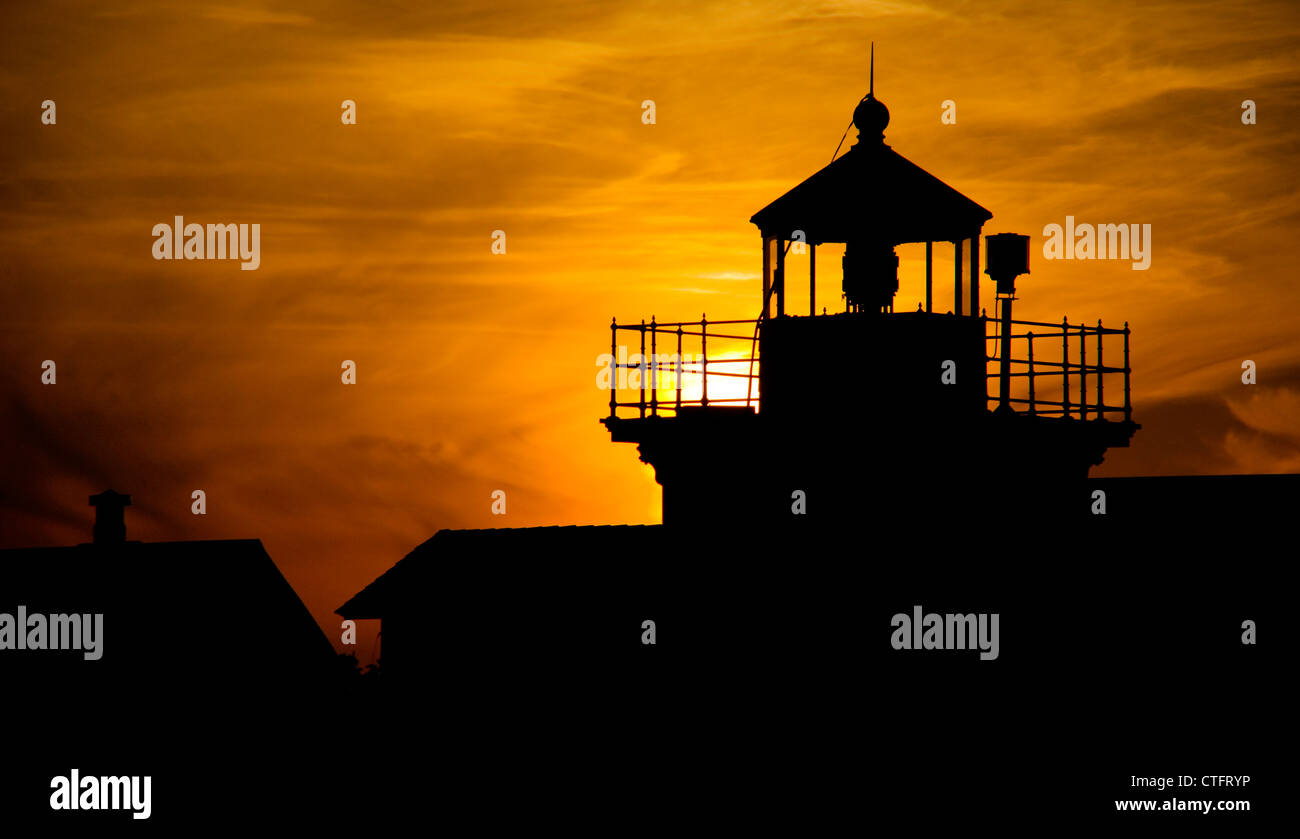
[[871, 86]]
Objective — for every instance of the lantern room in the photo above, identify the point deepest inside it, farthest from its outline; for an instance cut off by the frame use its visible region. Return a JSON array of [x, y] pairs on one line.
[[871, 200]]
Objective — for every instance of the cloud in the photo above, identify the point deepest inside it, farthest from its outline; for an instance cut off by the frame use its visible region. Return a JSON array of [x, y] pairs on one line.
[[1251, 429]]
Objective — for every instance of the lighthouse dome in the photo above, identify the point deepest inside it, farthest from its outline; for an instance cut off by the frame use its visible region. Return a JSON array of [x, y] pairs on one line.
[[871, 116]]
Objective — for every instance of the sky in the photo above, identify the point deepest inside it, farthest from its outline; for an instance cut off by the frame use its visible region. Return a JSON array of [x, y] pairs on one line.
[[476, 370]]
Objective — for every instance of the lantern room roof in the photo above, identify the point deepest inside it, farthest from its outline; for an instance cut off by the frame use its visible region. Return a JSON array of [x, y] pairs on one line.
[[872, 192]]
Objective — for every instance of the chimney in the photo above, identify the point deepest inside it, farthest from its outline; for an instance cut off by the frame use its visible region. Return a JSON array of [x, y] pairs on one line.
[[110, 519]]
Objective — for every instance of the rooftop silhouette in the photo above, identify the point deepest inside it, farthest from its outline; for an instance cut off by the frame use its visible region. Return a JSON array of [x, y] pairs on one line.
[[177, 616]]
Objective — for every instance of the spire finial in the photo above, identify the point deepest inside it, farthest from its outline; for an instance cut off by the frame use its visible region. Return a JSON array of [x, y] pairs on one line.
[[871, 116]]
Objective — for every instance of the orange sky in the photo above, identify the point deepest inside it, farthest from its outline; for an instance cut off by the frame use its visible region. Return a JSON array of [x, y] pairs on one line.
[[477, 371]]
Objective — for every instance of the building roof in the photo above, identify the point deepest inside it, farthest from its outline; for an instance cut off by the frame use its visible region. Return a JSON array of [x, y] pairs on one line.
[[872, 191], [450, 551], [174, 606]]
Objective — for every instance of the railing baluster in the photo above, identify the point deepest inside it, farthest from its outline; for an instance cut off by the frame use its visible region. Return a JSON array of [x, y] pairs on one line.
[[1128, 402], [1101, 376], [642, 368], [1083, 372], [1065, 367], [704, 359], [654, 370], [613, 354], [1030, 336], [680, 364]]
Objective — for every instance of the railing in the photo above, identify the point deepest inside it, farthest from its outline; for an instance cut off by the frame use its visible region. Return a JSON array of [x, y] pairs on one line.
[[1058, 371], [662, 367]]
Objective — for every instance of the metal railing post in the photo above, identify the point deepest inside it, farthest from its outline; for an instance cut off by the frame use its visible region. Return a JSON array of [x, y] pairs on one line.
[[1065, 367], [1083, 372], [680, 364], [1128, 402], [613, 355], [1032, 407], [1101, 376], [642, 366], [704, 359], [654, 370]]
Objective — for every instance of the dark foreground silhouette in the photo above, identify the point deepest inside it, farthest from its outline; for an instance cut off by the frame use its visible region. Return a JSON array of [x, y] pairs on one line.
[[517, 687]]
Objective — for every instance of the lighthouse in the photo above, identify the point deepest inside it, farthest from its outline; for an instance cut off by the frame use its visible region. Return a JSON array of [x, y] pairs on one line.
[[871, 413]]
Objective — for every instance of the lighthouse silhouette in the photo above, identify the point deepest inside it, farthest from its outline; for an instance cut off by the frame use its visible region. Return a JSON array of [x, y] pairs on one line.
[[871, 409], [917, 443], [822, 472]]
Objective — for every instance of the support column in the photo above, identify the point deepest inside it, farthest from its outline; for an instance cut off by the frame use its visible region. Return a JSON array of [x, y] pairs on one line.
[[975, 275], [812, 280], [767, 273], [779, 280], [929, 276], [956, 292], [1004, 377]]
